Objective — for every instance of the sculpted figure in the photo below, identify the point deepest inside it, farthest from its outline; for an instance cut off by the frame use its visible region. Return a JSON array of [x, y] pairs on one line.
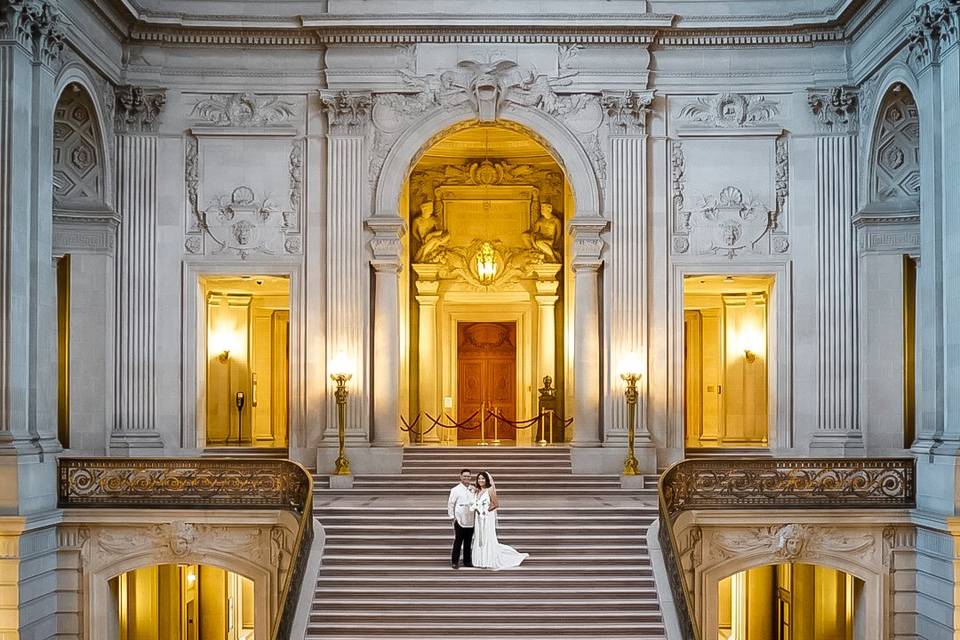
[[545, 234], [433, 239]]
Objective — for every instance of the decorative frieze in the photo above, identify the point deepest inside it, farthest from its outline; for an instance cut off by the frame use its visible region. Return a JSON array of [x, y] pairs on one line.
[[730, 110], [348, 113], [243, 110], [836, 110], [138, 109]]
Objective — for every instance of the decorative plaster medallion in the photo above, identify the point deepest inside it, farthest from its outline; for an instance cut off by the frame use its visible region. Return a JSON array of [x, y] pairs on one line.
[[243, 110], [730, 110], [728, 223]]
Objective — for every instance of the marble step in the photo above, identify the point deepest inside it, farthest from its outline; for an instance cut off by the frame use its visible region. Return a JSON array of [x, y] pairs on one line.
[[496, 625], [496, 602]]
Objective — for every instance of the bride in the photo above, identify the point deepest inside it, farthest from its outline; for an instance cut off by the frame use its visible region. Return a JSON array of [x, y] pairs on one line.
[[488, 552]]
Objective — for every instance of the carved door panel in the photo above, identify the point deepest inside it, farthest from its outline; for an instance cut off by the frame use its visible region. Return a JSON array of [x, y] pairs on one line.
[[487, 369]]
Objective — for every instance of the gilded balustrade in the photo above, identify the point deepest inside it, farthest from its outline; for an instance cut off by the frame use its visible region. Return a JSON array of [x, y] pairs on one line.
[[777, 483], [200, 483]]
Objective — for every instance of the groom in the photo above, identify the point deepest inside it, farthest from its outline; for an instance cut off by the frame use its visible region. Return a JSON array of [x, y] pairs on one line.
[[458, 510]]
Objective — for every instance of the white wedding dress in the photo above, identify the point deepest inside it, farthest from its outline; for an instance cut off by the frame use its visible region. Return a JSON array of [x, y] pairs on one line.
[[488, 552]]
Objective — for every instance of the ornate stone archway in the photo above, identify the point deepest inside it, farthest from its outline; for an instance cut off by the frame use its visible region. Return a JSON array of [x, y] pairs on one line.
[[375, 137]]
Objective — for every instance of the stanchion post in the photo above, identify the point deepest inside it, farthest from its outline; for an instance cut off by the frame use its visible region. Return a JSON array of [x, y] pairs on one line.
[[551, 426], [483, 424], [543, 429], [496, 427]]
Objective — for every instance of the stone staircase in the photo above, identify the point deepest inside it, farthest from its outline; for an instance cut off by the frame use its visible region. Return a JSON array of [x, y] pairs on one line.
[[386, 566]]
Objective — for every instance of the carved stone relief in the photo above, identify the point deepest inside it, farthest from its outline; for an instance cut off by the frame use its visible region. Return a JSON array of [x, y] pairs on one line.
[[247, 218], [243, 110], [729, 110], [347, 113], [792, 542], [36, 24], [492, 87], [729, 220]]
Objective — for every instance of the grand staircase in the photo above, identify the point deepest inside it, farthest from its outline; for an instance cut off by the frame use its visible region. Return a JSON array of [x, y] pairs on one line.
[[386, 566]]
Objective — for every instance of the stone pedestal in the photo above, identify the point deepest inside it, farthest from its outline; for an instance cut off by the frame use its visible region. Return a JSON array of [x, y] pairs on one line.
[[429, 365]]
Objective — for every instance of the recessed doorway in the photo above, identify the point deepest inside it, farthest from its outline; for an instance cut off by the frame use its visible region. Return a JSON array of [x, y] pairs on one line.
[[486, 380], [248, 356], [725, 319]]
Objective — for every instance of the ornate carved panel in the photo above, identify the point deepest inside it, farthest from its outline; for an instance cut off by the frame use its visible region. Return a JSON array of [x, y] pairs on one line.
[[732, 110], [240, 207], [243, 110]]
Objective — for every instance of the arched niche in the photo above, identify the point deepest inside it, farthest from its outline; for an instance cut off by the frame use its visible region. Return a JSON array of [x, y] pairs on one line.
[[894, 170], [81, 166]]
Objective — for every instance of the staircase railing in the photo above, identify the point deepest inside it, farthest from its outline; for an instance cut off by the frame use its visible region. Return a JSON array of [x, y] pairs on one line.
[[765, 483], [201, 483]]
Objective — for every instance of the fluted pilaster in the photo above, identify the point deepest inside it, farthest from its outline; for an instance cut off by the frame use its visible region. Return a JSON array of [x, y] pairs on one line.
[[347, 275], [838, 428], [136, 161]]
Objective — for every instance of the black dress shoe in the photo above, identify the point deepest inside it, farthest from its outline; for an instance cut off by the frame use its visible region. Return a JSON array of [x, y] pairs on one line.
[[455, 565], [468, 565]]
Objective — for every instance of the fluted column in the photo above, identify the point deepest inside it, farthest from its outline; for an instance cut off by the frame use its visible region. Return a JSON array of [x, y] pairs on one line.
[[626, 115], [137, 119], [838, 429], [586, 263], [386, 330], [348, 278], [428, 392]]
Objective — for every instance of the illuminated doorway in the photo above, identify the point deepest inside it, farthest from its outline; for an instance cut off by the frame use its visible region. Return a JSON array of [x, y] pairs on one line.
[[247, 320], [790, 601], [725, 361], [183, 602], [486, 206]]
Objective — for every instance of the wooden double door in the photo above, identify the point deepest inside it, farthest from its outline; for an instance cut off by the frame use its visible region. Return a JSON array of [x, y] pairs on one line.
[[486, 377]]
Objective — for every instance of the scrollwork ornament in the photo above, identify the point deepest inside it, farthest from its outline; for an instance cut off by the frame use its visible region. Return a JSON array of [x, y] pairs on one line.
[[730, 110], [243, 110]]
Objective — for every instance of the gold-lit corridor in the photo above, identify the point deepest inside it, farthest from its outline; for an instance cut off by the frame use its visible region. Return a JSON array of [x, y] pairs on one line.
[[790, 602], [725, 360], [183, 602], [247, 373]]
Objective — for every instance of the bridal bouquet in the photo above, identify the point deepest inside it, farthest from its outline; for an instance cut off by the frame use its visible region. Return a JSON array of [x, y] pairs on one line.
[[479, 507]]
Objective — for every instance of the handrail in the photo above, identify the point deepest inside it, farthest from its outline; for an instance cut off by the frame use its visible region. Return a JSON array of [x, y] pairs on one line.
[[200, 483], [763, 483]]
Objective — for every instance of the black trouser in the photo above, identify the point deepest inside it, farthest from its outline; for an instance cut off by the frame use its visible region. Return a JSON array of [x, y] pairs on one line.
[[462, 537]]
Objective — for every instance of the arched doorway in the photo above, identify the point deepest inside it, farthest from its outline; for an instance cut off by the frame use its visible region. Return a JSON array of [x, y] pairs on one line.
[[183, 601], [485, 280], [790, 601]]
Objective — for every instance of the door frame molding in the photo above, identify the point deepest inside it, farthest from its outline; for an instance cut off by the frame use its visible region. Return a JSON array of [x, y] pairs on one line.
[[780, 428]]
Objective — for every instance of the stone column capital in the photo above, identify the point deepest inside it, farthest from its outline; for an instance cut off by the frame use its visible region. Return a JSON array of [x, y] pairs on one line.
[[627, 111], [587, 243], [836, 110], [934, 28], [138, 109], [385, 245], [348, 113], [35, 25]]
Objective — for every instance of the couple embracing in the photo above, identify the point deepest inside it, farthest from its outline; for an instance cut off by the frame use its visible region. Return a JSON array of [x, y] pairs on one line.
[[473, 508]]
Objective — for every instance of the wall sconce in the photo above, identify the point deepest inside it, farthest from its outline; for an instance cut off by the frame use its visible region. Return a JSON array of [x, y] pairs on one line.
[[486, 264], [224, 355], [749, 355], [340, 372], [631, 372]]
